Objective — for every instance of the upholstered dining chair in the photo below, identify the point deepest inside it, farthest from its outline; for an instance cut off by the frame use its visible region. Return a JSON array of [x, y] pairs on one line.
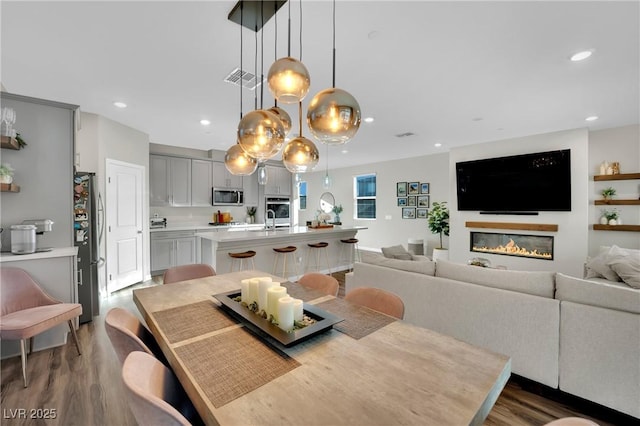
[[187, 272], [27, 311], [154, 394], [128, 334], [324, 283], [378, 300]]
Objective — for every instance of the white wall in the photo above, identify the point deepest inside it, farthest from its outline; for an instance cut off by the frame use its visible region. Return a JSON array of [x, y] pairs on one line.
[[620, 144], [100, 139], [388, 228], [571, 240]]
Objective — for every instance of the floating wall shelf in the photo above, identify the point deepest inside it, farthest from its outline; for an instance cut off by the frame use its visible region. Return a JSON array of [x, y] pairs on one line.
[[621, 176], [617, 203], [509, 225], [9, 143], [9, 187], [628, 228]]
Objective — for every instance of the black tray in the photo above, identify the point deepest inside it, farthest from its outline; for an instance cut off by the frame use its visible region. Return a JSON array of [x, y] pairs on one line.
[[325, 320]]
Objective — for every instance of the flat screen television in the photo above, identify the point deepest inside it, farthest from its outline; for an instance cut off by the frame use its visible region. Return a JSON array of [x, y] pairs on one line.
[[534, 182]]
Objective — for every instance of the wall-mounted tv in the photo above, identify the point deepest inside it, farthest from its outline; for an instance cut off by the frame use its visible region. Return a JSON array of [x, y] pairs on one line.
[[534, 182]]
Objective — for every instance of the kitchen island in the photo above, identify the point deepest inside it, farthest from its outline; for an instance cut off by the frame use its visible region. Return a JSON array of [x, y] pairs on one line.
[[216, 246]]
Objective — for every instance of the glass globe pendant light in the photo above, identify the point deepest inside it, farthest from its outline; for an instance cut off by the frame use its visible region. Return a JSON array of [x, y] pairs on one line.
[[284, 117], [238, 162], [288, 78], [300, 155], [261, 134], [334, 114]]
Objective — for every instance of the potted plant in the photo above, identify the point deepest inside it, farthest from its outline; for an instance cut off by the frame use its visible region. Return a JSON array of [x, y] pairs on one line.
[[610, 217], [6, 173], [608, 193], [337, 210], [438, 222]]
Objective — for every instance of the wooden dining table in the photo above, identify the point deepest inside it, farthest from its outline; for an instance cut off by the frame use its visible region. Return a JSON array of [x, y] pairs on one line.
[[369, 369]]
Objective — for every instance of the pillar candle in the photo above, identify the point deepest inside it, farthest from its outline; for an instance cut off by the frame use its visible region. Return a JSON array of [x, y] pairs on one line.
[[298, 310], [264, 284], [273, 294], [244, 290], [253, 291], [285, 313]]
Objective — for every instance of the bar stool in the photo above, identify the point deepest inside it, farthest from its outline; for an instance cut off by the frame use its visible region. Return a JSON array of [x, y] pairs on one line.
[[241, 256], [317, 247], [354, 253], [284, 252]]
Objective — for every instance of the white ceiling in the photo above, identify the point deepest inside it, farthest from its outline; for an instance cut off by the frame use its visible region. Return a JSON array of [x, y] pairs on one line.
[[454, 73]]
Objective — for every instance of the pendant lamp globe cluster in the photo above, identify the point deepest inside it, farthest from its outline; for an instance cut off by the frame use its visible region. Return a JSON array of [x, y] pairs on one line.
[[333, 118]]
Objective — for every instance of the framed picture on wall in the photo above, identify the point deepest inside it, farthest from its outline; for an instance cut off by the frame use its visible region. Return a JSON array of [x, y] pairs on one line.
[[422, 213], [411, 201], [401, 189], [413, 188], [423, 201], [408, 213], [402, 202], [424, 188]]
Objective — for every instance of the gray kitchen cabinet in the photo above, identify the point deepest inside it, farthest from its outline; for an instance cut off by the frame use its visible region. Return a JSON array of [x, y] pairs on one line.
[[201, 182], [172, 248], [170, 181], [278, 181], [223, 179]]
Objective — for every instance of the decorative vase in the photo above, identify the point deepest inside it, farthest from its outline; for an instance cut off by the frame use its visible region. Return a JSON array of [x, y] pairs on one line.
[[440, 254], [6, 179], [337, 219], [604, 220], [613, 222]]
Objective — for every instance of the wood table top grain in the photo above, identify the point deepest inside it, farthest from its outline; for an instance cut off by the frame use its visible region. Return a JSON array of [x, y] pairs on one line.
[[399, 374]]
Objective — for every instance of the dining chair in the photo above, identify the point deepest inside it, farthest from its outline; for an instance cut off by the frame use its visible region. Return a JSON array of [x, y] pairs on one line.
[[572, 421], [378, 300], [187, 272], [128, 334], [324, 283], [27, 311], [154, 394]]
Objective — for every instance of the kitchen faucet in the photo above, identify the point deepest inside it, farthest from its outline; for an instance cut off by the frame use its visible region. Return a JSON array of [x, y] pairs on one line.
[[267, 220]]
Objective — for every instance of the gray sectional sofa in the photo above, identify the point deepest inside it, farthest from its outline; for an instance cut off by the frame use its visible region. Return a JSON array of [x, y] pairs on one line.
[[581, 336]]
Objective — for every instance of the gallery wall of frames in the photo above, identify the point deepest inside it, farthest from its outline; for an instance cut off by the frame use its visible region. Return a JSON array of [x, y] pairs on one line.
[[413, 198]]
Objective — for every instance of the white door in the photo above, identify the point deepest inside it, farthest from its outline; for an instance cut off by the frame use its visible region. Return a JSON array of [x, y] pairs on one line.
[[125, 183]]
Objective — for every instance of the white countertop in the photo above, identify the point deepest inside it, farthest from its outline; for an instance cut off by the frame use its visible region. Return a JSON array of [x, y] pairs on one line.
[[259, 234], [56, 252]]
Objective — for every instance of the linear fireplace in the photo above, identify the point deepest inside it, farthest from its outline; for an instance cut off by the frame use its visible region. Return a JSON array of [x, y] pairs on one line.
[[520, 245]]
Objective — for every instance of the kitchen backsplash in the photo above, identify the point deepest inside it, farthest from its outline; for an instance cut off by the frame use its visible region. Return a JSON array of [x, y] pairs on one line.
[[196, 215]]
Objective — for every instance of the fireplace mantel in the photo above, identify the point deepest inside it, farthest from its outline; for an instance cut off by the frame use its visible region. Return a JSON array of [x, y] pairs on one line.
[[510, 225]]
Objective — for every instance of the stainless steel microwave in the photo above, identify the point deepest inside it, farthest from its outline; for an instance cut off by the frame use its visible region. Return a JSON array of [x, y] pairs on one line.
[[227, 197]]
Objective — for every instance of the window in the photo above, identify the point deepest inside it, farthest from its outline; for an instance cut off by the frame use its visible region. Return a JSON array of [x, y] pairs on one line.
[[364, 191], [303, 195]]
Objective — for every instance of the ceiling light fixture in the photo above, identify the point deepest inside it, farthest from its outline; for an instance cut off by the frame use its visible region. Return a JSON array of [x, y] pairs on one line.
[[284, 117], [120, 104], [591, 118], [369, 120], [581, 56], [300, 155], [437, 145], [288, 77], [236, 160], [334, 114], [205, 122], [326, 181]]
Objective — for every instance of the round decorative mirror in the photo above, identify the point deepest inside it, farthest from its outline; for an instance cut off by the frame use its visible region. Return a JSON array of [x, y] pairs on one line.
[[327, 201]]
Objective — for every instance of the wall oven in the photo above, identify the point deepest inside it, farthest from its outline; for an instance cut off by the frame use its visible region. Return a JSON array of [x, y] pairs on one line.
[[281, 206], [227, 197]]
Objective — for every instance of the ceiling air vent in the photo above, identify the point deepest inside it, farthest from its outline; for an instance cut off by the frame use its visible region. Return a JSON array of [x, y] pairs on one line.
[[404, 135], [247, 78]]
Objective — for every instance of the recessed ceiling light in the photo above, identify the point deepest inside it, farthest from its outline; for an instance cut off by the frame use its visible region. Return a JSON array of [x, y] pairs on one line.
[[592, 118], [580, 56], [437, 145], [345, 151], [369, 119], [205, 122], [120, 104]]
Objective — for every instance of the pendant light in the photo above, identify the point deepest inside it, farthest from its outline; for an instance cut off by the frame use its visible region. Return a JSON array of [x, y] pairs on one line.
[[326, 181], [260, 132], [288, 77], [236, 159], [300, 155], [263, 177], [334, 114]]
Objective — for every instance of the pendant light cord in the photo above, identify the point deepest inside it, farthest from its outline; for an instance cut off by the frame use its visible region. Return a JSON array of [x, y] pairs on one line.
[[241, 70], [275, 39], [334, 44], [289, 32], [255, 67], [262, 55], [300, 30]]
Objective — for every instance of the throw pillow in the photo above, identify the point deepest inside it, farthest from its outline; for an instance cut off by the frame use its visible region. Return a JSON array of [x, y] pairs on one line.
[[396, 252], [626, 264], [597, 267]]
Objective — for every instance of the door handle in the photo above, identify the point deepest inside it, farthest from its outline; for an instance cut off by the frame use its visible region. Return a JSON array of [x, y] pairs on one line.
[[139, 232]]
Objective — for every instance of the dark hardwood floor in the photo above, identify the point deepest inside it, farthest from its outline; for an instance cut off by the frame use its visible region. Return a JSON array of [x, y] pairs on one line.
[[87, 389]]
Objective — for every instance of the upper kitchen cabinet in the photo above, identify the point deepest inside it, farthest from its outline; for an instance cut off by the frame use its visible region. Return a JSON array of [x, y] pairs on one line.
[[223, 179], [201, 182], [170, 181], [278, 181]]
